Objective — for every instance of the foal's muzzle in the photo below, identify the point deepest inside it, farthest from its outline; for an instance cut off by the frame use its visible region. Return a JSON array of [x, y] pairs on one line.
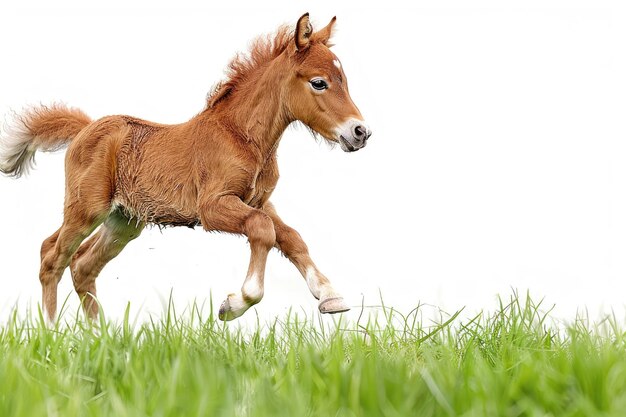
[[353, 135]]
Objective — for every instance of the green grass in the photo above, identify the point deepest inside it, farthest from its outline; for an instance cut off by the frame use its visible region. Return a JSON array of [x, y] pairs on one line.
[[511, 362]]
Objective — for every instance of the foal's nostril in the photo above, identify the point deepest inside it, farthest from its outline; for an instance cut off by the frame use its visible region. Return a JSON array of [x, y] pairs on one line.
[[360, 132]]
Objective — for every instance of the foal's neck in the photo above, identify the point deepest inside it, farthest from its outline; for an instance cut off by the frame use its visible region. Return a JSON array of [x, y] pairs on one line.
[[255, 110]]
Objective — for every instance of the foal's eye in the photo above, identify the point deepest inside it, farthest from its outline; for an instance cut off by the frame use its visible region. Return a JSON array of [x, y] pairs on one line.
[[319, 84]]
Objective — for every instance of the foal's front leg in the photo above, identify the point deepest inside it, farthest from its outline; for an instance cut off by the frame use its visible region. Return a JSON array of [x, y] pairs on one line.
[[230, 214], [289, 242]]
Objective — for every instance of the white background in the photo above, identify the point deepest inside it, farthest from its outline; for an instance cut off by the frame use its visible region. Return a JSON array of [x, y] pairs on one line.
[[498, 159]]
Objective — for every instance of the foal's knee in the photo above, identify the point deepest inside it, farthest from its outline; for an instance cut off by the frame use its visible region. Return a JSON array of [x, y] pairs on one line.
[[260, 230], [290, 242]]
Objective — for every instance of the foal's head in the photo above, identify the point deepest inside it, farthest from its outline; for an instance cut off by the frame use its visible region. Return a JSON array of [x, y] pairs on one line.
[[317, 92]]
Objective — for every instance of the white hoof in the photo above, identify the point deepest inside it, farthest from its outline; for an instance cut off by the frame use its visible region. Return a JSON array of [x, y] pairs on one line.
[[233, 307], [333, 305], [226, 312]]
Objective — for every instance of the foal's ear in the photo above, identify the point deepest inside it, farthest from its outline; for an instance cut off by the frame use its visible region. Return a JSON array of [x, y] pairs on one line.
[[303, 32], [324, 35]]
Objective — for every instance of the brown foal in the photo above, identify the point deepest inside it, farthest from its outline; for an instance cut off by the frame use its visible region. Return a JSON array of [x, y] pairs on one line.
[[217, 170]]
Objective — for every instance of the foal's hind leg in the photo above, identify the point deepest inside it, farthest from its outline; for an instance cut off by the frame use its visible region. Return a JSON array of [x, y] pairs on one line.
[[291, 244], [96, 252], [56, 252], [89, 185]]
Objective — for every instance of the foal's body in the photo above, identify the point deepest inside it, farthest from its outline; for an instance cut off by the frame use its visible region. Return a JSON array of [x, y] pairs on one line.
[[217, 170]]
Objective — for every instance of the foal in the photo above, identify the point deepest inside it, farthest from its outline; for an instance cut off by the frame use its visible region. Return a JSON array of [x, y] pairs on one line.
[[217, 170]]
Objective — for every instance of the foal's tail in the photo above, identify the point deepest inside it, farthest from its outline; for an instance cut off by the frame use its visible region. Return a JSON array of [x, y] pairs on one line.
[[46, 128]]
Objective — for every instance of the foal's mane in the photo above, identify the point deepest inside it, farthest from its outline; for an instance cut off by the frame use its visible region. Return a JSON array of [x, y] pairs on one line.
[[262, 50]]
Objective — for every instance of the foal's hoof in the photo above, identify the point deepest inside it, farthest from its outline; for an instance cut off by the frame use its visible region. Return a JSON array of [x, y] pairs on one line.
[[333, 305], [226, 313]]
